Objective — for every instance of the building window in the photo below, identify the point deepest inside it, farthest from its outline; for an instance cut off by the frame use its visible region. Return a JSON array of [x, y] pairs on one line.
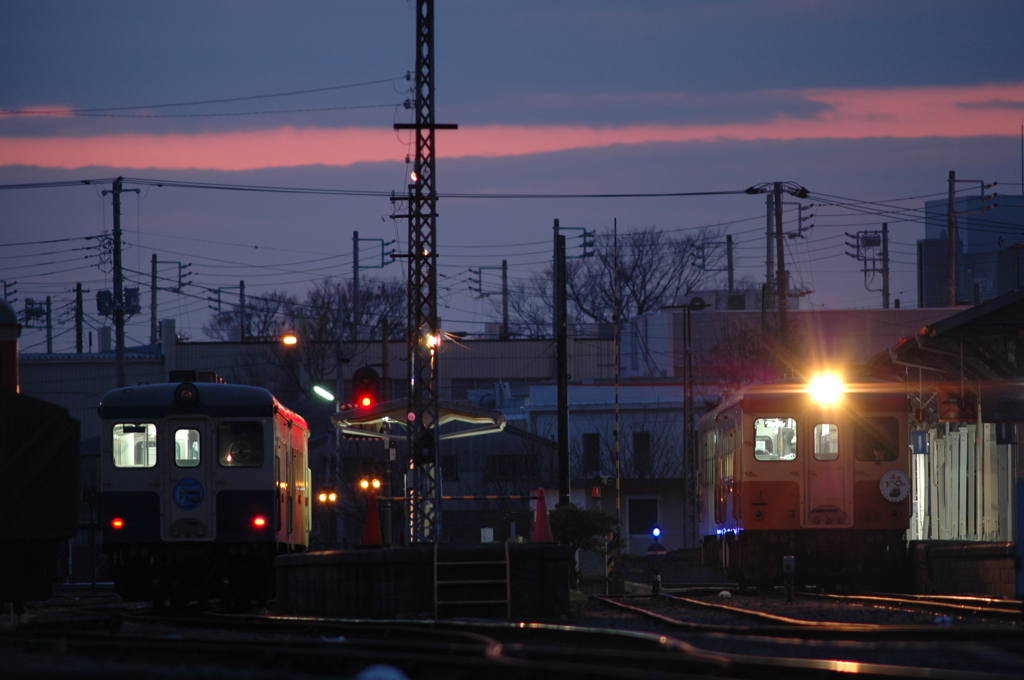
[[643, 515], [642, 452], [450, 468], [591, 452], [512, 468]]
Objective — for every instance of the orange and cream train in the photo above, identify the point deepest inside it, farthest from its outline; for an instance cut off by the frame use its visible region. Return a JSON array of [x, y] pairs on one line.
[[816, 470]]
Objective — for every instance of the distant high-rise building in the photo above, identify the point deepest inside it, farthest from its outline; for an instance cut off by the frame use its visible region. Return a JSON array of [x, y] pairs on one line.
[[988, 250]]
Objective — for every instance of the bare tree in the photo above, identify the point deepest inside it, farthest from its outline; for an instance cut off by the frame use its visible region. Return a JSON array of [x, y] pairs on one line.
[[290, 371], [529, 306], [747, 353], [265, 317], [653, 269]]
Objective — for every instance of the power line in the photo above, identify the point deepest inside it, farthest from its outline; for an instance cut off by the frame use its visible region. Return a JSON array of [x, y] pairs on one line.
[[65, 112]]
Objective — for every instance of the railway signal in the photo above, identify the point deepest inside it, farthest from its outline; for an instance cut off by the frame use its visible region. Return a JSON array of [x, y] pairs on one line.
[[365, 387]]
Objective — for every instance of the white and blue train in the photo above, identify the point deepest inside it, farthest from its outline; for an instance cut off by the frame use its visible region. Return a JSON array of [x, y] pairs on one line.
[[202, 484]]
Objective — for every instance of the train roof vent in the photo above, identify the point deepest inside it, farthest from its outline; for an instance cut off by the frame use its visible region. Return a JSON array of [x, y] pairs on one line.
[[195, 376]]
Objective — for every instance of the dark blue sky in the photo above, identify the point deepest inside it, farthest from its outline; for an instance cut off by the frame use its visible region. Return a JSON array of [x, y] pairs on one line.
[[858, 99]]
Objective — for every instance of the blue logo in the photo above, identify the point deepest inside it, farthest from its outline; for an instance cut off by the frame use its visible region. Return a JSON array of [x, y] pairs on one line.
[[188, 494]]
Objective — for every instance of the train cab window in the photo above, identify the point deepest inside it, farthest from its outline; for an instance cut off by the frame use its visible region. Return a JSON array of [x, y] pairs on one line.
[[826, 441], [876, 439], [134, 445], [186, 447], [240, 444], [775, 439]]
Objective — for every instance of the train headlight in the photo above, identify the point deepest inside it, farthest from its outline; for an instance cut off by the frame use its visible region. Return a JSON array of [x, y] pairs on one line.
[[826, 389], [117, 523]]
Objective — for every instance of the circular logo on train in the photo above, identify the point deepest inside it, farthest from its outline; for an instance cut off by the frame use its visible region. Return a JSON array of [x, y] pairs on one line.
[[188, 494], [894, 485]]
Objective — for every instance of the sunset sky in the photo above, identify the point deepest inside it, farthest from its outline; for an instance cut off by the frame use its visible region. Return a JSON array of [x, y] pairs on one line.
[[857, 100]]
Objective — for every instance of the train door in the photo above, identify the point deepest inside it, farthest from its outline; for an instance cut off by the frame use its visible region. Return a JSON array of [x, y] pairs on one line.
[[281, 459], [188, 467], [828, 473]]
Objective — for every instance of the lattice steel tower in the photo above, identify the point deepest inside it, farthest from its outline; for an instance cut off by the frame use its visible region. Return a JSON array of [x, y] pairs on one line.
[[424, 334]]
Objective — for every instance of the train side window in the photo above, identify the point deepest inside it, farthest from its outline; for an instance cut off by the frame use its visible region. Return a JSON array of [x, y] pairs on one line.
[[240, 444], [186, 447], [134, 445], [826, 441], [876, 439], [775, 439]]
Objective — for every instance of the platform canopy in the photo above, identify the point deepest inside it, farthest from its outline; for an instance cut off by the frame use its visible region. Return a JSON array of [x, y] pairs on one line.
[[373, 422]]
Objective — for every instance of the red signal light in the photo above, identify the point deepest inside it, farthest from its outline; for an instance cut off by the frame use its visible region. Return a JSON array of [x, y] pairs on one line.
[[117, 523], [365, 401], [259, 522]]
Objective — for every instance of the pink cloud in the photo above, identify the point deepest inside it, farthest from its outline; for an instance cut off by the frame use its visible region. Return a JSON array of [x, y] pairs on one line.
[[850, 114]]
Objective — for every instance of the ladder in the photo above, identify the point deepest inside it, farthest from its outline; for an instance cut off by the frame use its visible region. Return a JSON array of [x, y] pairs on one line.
[[471, 585]]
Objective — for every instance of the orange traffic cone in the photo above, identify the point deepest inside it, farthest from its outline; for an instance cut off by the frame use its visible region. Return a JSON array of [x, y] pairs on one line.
[[371, 534], [542, 526]]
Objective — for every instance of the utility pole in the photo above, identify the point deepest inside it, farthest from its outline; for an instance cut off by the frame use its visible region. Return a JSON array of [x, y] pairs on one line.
[[781, 276], [9, 291], [241, 311], [78, 318], [728, 258], [690, 456], [504, 299], [385, 360], [355, 286], [424, 331], [617, 342], [152, 303], [769, 278], [561, 368], [885, 265], [49, 326], [154, 327], [951, 250], [357, 325], [122, 360], [339, 361]]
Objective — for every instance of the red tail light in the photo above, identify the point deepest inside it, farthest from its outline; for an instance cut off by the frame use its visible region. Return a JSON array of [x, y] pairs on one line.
[[259, 522], [117, 523]]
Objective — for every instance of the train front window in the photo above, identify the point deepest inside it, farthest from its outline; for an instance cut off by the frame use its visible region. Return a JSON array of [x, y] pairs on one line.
[[186, 447], [240, 444], [134, 445], [826, 441], [876, 439], [775, 439]]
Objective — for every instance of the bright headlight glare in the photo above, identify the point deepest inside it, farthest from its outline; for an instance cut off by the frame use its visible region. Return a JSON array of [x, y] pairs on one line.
[[826, 389]]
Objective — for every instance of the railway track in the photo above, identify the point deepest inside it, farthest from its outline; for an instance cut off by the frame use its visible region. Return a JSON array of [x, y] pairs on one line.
[[952, 604], [761, 616], [264, 646]]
